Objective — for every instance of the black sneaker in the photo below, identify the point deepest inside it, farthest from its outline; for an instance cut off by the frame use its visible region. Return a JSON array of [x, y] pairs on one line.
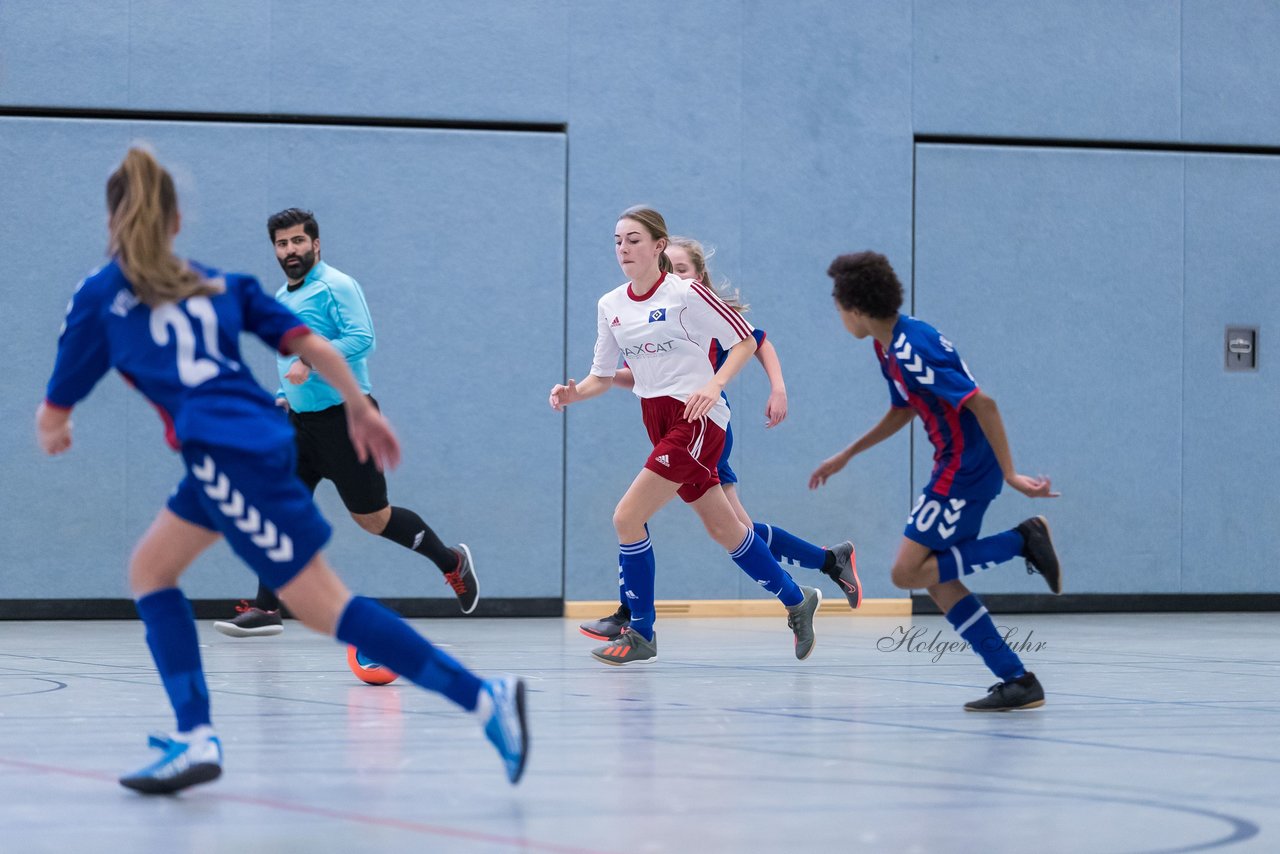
[[1037, 548], [463, 580], [1024, 692], [845, 572], [251, 622], [610, 627]]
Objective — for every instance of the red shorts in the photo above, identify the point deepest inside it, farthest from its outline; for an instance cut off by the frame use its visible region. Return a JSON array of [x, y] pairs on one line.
[[684, 452]]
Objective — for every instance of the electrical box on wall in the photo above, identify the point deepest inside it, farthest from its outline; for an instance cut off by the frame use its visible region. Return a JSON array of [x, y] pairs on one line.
[[1242, 348]]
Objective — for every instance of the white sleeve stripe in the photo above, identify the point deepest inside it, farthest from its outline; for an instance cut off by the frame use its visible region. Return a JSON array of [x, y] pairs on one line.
[[735, 320]]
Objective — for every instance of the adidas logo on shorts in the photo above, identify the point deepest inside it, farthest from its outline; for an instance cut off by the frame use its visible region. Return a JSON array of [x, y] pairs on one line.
[[662, 458]]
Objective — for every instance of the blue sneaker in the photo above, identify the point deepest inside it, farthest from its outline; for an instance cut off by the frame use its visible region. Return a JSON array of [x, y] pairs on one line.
[[502, 711], [189, 759]]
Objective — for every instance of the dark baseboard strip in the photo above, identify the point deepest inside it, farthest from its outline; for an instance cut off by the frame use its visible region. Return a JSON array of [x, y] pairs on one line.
[[128, 115], [221, 609], [1100, 603]]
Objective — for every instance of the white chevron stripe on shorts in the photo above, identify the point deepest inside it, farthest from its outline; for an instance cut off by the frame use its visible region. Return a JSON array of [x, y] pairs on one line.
[[262, 532]]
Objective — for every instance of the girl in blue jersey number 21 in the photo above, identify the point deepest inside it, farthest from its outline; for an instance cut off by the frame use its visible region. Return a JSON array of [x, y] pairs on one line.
[[172, 328]]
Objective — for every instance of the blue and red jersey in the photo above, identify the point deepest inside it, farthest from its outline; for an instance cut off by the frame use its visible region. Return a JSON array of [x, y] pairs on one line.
[[184, 357], [926, 373], [719, 354]]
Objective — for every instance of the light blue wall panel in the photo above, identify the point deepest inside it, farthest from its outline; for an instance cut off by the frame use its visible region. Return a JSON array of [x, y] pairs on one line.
[[743, 140], [826, 170], [656, 118], [1231, 541], [1231, 72], [416, 217], [1088, 69], [483, 60], [1058, 275]]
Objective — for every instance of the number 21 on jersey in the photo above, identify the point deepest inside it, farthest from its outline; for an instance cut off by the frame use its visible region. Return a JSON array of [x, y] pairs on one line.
[[171, 319]]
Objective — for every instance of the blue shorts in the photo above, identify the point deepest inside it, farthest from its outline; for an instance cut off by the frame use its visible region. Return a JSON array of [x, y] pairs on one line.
[[939, 523], [257, 502], [727, 475]]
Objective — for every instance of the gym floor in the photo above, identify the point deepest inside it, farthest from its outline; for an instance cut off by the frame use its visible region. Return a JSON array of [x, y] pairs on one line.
[[1161, 733]]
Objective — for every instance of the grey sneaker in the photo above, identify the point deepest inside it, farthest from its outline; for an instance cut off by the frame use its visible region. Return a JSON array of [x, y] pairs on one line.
[[800, 620], [629, 647], [463, 579], [251, 622], [1025, 692], [609, 627], [845, 573], [1037, 548]]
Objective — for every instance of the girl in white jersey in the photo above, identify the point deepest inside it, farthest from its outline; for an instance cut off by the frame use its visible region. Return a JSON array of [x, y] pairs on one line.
[[662, 326], [689, 261]]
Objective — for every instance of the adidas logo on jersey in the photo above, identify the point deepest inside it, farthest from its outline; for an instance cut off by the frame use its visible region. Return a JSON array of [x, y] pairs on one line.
[[664, 459], [615, 323]]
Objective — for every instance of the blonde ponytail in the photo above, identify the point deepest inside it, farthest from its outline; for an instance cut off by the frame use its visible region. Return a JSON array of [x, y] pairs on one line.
[[143, 207]]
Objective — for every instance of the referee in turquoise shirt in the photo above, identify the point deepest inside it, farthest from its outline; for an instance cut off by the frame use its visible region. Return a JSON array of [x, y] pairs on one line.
[[332, 304]]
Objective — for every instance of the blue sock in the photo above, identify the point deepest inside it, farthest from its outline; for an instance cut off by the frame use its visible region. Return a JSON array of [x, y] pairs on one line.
[[753, 556], [971, 621], [171, 635], [638, 571], [784, 545], [973, 556], [381, 634]]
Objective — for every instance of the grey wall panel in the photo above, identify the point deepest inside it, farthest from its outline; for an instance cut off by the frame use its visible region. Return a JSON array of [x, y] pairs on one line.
[[486, 60], [1091, 69], [742, 140], [466, 334], [1058, 275], [1231, 72], [1230, 539], [826, 170]]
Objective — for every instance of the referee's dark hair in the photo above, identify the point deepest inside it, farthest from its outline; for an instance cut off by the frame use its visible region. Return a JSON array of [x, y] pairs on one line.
[[865, 283], [290, 217]]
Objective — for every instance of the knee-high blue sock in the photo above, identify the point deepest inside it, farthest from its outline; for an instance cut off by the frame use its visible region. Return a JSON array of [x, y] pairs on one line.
[[638, 571], [384, 636], [753, 556], [171, 636], [971, 621], [978, 555], [622, 585], [784, 545]]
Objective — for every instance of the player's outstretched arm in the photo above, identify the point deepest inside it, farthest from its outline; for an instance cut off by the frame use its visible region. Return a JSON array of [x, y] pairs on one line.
[[893, 421], [53, 429], [624, 378], [775, 410], [985, 410], [371, 435], [702, 400], [574, 392]]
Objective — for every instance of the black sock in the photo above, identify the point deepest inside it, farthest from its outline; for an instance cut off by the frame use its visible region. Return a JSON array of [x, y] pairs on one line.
[[266, 599], [828, 562], [407, 528]]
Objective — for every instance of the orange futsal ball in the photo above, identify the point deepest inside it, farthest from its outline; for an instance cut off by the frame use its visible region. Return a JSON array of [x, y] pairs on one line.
[[368, 670]]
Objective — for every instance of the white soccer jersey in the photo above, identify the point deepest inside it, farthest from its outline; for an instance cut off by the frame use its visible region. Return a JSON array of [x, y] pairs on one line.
[[665, 338]]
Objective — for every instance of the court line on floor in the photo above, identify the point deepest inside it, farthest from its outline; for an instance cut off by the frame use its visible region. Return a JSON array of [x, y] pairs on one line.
[[326, 812]]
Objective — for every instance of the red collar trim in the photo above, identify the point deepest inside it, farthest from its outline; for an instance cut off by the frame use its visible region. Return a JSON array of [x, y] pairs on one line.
[[653, 291]]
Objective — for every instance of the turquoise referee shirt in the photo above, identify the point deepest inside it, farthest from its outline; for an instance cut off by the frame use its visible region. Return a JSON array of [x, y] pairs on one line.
[[332, 304]]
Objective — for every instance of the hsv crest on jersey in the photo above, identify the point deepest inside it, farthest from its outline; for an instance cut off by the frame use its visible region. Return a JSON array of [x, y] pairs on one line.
[[657, 314]]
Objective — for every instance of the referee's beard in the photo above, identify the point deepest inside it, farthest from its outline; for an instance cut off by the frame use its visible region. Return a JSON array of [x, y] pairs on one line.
[[296, 267]]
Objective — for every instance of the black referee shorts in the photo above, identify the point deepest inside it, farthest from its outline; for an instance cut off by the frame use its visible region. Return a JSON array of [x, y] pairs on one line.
[[325, 452]]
